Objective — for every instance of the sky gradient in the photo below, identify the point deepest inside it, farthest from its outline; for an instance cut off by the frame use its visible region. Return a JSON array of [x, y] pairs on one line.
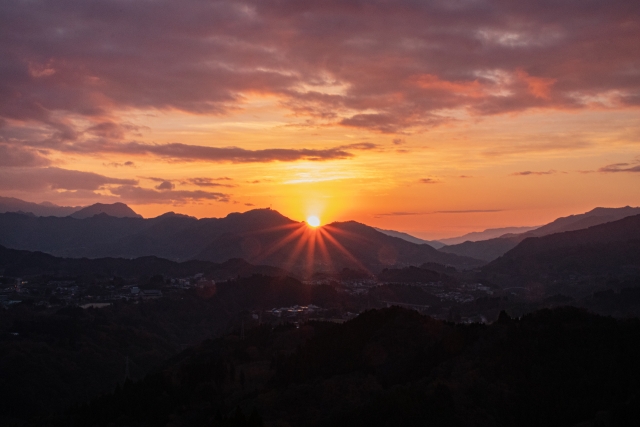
[[432, 117]]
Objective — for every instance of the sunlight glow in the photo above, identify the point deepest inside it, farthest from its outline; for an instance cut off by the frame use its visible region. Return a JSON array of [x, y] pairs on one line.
[[313, 221]]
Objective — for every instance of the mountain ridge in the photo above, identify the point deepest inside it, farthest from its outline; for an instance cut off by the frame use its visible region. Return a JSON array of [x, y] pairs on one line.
[[118, 210], [491, 249], [259, 236]]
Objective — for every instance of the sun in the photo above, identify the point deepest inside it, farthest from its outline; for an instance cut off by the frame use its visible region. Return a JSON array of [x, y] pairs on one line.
[[313, 221]]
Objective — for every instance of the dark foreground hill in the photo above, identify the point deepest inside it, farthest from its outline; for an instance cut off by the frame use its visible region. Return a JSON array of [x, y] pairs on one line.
[[490, 249], [393, 367], [53, 357], [261, 236], [607, 250], [16, 263]]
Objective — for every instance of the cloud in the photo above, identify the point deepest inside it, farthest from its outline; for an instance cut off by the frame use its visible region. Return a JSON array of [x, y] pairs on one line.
[[112, 130], [165, 185], [208, 182], [119, 165], [428, 181], [381, 66], [249, 204], [139, 195], [359, 146], [52, 178], [398, 141], [525, 173], [16, 156], [560, 144], [189, 153], [620, 167]]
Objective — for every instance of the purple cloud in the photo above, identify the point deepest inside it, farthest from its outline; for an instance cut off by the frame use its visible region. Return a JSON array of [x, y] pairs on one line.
[[52, 178], [383, 66], [139, 195], [525, 173], [620, 167]]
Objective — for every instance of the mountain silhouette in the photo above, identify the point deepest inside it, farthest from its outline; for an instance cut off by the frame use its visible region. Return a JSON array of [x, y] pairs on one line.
[[409, 238], [11, 204], [606, 250], [489, 233], [488, 250], [118, 210], [260, 236], [17, 263]]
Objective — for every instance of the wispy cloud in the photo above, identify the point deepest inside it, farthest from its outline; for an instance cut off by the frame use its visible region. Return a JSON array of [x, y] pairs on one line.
[[139, 195], [186, 152], [17, 156], [620, 167], [525, 173], [119, 165], [52, 178], [208, 182], [465, 211]]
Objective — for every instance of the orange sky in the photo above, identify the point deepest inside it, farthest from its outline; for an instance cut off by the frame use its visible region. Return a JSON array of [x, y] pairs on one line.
[[522, 116]]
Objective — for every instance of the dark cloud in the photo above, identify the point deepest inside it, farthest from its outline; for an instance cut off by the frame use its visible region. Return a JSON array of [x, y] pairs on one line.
[[398, 141], [384, 66], [184, 152], [249, 204], [428, 181], [16, 156], [52, 178], [139, 195], [165, 185], [525, 173], [119, 165], [359, 146], [620, 167], [112, 130]]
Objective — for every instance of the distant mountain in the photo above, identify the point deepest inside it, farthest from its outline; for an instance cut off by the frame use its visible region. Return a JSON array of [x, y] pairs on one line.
[[607, 250], [17, 263], [489, 233], [118, 210], [261, 236], [410, 238], [11, 204], [488, 250]]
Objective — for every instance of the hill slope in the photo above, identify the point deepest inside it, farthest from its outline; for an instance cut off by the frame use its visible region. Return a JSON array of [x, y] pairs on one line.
[[409, 238], [489, 233], [610, 249], [488, 250], [118, 210], [17, 263]]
